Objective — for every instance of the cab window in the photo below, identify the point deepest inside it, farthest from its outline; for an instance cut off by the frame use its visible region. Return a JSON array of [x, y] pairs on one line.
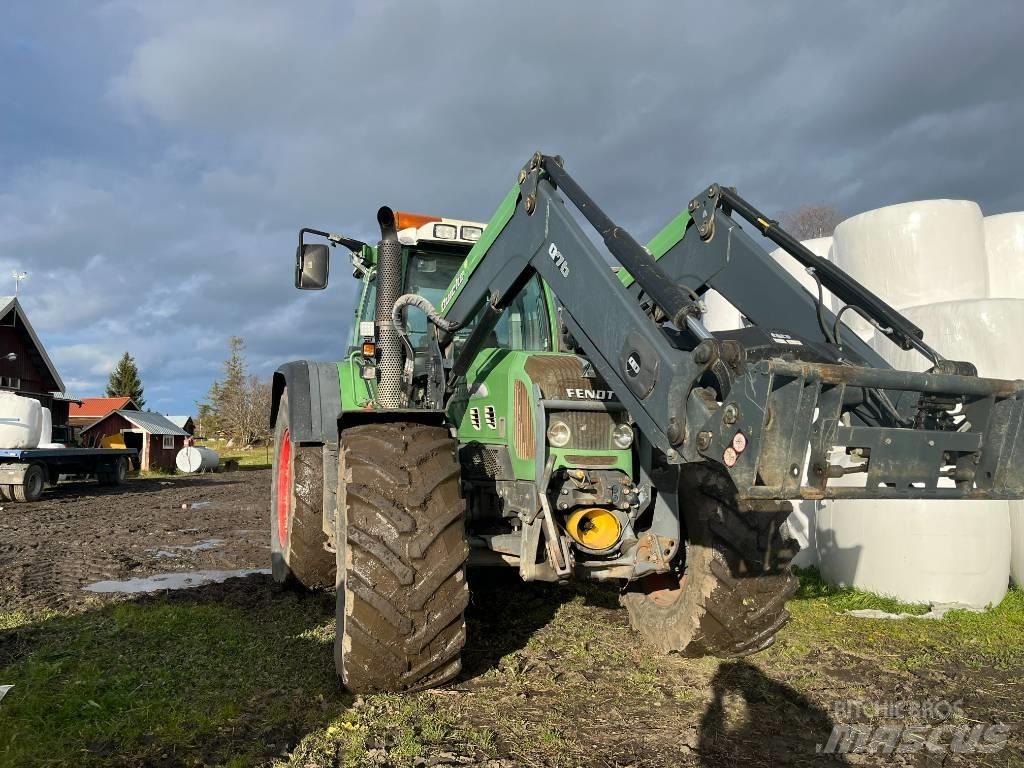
[[524, 326]]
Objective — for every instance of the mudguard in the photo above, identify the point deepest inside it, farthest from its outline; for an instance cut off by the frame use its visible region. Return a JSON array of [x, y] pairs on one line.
[[314, 400]]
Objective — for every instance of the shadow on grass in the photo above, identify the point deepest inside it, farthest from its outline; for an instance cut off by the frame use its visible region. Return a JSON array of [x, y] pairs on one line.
[[755, 720], [505, 612], [232, 673]]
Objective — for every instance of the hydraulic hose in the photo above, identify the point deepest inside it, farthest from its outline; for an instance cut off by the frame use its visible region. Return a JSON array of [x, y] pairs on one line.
[[421, 303]]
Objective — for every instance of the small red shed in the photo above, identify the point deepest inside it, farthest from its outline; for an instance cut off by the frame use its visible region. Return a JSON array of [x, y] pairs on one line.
[[156, 438]]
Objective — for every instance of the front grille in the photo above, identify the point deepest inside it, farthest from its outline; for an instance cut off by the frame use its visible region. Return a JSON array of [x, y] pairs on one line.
[[587, 462], [590, 430], [524, 439]]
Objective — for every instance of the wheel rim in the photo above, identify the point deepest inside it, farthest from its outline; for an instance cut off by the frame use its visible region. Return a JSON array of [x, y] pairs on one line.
[[663, 588], [284, 486]]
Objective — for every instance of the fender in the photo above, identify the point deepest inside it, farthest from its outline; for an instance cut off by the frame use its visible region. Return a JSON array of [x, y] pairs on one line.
[[314, 400]]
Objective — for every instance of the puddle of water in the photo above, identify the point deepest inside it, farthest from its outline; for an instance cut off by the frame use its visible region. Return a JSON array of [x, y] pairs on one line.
[[175, 550], [197, 505], [182, 580]]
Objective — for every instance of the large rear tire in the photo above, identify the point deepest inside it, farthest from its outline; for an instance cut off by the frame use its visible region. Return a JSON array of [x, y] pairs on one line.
[[298, 555], [730, 598], [402, 552]]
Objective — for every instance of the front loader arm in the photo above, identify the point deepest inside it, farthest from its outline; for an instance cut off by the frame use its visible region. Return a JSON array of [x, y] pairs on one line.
[[538, 235], [771, 420]]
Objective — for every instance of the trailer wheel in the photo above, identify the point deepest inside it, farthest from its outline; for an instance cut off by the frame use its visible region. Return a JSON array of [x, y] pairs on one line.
[[298, 556], [32, 486], [729, 597], [117, 476], [402, 553]]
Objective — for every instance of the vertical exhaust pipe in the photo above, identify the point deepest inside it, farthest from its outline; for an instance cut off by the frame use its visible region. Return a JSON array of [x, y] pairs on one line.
[[389, 288]]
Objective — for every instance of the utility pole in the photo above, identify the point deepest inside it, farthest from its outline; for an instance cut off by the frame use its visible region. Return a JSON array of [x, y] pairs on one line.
[[18, 277]]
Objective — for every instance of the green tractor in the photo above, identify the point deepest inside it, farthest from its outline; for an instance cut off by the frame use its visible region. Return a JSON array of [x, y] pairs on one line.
[[508, 399]]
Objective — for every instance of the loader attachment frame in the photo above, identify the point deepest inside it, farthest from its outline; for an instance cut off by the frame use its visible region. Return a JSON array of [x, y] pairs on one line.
[[771, 414]]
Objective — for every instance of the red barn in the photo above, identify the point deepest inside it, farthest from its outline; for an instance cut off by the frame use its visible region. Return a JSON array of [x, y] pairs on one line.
[[25, 368]]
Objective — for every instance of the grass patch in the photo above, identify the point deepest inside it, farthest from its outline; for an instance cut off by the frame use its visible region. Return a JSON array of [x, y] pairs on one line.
[[256, 457], [242, 674], [191, 679], [994, 638]]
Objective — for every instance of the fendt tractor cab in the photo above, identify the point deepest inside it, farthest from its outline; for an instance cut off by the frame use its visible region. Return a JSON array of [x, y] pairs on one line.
[[508, 399]]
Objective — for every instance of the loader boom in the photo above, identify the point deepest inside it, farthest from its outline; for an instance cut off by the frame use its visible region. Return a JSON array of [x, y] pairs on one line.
[[755, 406]]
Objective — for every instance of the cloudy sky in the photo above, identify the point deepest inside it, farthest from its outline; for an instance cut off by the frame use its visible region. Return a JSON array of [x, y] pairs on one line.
[[157, 159]]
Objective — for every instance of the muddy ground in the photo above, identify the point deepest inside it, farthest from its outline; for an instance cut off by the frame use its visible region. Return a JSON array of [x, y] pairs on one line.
[[82, 533], [552, 676]]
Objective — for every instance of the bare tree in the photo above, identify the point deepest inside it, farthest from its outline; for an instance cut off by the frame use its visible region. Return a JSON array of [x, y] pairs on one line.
[[238, 406], [810, 221]]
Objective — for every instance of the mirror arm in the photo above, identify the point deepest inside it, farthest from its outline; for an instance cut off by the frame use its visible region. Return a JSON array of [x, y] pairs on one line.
[[349, 242]]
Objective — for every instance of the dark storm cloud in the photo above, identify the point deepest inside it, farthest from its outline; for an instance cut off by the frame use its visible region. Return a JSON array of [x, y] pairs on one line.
[[154, 180]]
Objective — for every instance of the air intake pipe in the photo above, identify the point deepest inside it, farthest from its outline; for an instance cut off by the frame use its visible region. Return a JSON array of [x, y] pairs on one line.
[[389, 288]]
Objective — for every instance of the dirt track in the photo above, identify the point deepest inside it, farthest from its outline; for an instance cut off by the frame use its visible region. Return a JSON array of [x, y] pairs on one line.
[[82, 533]]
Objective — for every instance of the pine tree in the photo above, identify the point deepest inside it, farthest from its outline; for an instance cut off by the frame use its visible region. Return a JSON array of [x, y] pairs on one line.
[[125, 382]]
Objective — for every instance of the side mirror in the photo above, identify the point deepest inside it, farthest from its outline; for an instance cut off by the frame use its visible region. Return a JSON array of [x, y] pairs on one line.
[[312, 263]]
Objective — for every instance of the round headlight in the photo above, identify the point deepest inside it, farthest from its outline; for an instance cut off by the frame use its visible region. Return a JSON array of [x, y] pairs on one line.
[[622, 436], [558, 433]]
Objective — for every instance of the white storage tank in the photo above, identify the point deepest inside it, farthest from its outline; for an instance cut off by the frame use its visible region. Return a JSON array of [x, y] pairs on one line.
[[1004, 244], [21, 421], [193, 458]]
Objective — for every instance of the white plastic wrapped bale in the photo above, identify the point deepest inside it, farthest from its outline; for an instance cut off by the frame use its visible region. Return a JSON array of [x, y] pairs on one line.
[[1004, 244], [46, 432], [21, 421], [719, 314], [914, 254], [803, 527], [917, 551], [819, 246], [985, 332], [1017, 542], [723, 316], [933, 551]]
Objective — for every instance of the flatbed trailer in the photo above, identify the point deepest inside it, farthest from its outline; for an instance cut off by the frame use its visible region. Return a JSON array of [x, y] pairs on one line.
[[25, 472]]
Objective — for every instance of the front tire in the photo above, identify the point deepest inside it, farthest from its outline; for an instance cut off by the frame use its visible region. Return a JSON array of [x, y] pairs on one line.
[[730, 598], [298, 556], [402, 552]]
